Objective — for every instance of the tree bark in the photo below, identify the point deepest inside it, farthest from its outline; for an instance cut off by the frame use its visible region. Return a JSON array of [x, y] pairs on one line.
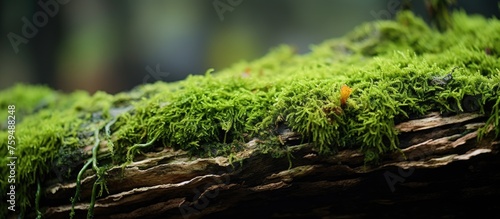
[[442, 170]]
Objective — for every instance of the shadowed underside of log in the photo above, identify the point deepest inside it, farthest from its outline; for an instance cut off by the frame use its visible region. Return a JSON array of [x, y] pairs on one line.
[[442, 170]]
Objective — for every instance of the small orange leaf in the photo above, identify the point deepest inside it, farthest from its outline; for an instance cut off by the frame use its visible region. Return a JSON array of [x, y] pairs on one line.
[[246, 72], [345, 91]]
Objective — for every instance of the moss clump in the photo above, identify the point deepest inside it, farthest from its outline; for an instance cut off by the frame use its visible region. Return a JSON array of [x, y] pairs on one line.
[[396, 69], [38, 98]]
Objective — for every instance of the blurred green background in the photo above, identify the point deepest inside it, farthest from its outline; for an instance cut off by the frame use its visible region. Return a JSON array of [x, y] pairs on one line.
[[115, 45]]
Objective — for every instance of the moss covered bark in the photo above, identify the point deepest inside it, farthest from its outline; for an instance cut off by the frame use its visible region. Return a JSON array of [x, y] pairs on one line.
[[397, 70]]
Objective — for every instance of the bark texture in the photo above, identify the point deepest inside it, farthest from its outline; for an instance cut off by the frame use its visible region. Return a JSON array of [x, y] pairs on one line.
[[441, 171]]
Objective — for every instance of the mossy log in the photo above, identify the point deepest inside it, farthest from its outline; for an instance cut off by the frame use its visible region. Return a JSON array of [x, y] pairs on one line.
[[393, 119], [442, 170]]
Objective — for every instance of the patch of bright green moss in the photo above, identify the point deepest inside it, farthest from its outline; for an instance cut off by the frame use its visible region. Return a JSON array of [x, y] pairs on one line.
[[397, 70], [26, 102]]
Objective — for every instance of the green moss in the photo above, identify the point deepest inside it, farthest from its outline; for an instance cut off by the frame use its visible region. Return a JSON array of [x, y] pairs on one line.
[[397, 70], [26, 102]]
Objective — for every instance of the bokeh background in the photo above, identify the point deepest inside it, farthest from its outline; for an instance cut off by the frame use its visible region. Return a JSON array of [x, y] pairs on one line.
[[115, 45]]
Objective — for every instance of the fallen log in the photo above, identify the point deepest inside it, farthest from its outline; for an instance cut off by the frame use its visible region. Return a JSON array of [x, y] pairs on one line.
[[441, 170], [336, 132]]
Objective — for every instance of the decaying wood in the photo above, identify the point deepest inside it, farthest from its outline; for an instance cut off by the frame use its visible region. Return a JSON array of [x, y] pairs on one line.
[[442, 170], [434, 120]]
